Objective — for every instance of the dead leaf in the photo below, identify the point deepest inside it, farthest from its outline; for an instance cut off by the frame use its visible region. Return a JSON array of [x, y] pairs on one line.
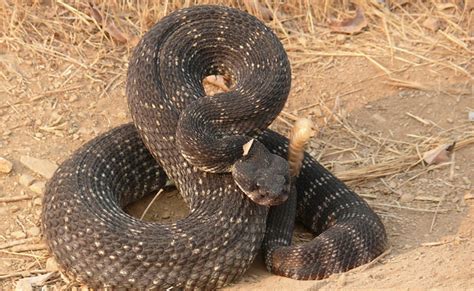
[[217, 81], [257, 8], [444, 6], [95, 14], [439, 154], [31, 283], [110, 27], [115, 33], [351, 25], [432, 24]]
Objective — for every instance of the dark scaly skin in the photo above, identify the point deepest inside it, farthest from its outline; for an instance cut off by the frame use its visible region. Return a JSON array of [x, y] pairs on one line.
[[100, 245], [348, 232], [221, 236]]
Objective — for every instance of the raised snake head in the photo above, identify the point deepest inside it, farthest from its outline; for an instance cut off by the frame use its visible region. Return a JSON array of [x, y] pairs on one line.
[[261, 175]]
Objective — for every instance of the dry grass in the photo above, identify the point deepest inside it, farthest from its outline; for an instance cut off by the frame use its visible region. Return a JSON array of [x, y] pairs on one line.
[[69, 48]]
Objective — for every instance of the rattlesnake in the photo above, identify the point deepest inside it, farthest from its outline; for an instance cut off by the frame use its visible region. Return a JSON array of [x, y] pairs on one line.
[[196, 140]]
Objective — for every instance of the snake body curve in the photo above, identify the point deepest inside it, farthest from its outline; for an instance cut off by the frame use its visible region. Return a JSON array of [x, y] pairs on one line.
[[99, 244]]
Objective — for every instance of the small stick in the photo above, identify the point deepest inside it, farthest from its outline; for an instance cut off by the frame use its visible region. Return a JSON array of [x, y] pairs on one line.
[[368, 196], [434, 215], [21, 254], [22, 273], [428, 198], [390, 188], [289, 116], [30, 247], [284, 121], [418, 118], [150, 204], [17, 242], [373, 262], [408, 208], [437, 243], [451, 169], [15, 198]]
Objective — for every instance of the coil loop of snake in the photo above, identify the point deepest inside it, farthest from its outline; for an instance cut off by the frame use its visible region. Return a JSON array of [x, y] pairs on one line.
[[180, 134]]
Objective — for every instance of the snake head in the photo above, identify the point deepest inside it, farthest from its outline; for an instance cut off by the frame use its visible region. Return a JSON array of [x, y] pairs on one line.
[[261, 175]]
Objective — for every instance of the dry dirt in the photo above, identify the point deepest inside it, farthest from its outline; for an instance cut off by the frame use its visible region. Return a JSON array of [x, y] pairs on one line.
[[51, 104]]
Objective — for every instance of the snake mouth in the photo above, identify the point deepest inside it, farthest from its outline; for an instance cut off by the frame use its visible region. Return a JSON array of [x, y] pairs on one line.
[[268, 199], [265, 197]]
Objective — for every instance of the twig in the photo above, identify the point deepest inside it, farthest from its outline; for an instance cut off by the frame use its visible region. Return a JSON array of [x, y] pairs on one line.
[[21, 254], [15, 198], [373, 262], [408, 208], [418, 118], [289, 116], [30, 247], [434, 215], [439, 243], [23, 273], [150, 204], [390, 188], [451, 169], [17, 242]]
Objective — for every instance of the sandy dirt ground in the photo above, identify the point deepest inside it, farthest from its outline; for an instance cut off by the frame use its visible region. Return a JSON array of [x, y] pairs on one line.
[[380, 104]]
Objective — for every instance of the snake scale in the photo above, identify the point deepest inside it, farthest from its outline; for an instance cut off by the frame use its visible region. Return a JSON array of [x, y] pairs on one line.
[[179, 133]]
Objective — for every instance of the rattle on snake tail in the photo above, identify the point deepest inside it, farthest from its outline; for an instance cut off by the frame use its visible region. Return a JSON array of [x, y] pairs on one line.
[[179, 133]]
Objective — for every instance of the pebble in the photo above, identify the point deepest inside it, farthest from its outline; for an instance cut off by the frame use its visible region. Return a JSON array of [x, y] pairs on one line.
[[26, 180], [38, 187], [5, 166], [166, 215], [51, 265], [466, 180], [33, 231], [379, 118], [3, 211], [340, 39], [43, 167], [18, 234], [408, 197], [14, 208], [432, 24], [38, 201]]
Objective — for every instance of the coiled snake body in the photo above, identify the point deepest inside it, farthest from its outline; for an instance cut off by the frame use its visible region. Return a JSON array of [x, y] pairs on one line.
[[189, 135]]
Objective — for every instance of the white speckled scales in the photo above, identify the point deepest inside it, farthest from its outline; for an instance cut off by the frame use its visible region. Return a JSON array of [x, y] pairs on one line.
[[99, 244]]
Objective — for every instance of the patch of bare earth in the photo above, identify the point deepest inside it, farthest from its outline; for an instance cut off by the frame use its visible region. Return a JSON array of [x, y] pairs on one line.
[[399, 86]]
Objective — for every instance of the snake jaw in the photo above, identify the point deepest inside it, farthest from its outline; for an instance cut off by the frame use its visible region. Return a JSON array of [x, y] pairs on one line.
[[262, 176]]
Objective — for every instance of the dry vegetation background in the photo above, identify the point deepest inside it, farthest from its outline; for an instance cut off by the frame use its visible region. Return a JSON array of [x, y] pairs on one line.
[[386, 82]]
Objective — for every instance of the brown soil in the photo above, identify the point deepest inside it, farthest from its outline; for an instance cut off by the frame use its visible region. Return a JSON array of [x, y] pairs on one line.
[[54, 98]]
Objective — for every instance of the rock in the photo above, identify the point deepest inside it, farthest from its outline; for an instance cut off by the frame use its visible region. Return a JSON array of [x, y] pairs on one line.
[[32, 283], [466, 180], [379, 118], [26, 180], [18, 234], [38, 187], [33, 231], [408, 197], [43, 167], [14, 208], [5, 166], [432, 24], [4, 211], [51, 265], [341, 38], [38, 201]]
